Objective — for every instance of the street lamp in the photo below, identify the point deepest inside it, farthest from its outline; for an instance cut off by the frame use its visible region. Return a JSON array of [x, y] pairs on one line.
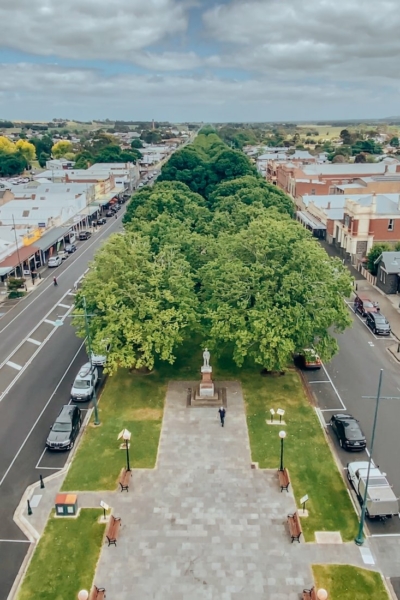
[[282, 435], [126, 436], [359, 540], [322, 594], [83, 595], [60, 322]]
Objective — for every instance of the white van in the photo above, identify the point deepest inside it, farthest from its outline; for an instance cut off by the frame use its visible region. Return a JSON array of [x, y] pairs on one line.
[[85, 383]]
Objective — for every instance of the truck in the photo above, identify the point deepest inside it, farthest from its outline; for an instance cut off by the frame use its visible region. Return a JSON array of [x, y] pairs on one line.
[[381, 501]]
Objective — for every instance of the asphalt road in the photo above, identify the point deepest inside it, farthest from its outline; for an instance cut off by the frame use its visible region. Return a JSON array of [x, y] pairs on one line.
[[44, 362], [341, 386]]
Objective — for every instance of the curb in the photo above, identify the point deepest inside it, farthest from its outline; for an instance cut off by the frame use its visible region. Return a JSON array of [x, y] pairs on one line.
[[21, 521]]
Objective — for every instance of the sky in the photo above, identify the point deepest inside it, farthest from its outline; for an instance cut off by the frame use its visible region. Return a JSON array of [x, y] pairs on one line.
[[199, 60]]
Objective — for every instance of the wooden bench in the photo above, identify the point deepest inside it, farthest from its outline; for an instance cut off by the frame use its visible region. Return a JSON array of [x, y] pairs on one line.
[[284, 479], [295, 527], [97, 593], [125, 479], [113, 530], [310, 594]]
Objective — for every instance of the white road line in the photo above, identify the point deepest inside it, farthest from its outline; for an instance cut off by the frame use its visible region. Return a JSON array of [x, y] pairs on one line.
[[382, 535], [333, 386], [14, 365], [329, 409], [32, 341], [49, 468], [49, 322], [323, 381], [40, 458], [29, 334], [61, 274], [26, 365], [40, 415], [65, 305], [16, 541]]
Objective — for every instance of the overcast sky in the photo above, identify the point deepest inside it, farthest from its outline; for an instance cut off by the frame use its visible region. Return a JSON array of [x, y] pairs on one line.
[[199, 60]]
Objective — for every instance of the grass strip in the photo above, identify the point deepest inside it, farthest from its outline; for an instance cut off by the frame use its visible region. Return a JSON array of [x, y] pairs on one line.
[[132, 401], [343, 582], [65, 559], [308, 457]]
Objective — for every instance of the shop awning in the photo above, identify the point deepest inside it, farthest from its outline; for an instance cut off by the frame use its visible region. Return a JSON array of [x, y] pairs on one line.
[[52, 237], [23, 254], [105, 198], [5, 270], [309, 220]]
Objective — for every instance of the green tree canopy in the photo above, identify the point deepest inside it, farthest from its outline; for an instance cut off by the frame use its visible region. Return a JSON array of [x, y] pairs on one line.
[[272, 291], [374, 254], [12, 164], [143, 303], [136, 143]]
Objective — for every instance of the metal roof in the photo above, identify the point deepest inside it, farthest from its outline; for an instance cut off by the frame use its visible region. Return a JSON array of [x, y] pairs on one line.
[[48, 239], [309, 219]]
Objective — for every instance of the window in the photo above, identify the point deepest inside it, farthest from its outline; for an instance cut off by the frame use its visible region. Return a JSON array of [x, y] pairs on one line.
[[382, 276], [312, 192], [391, 225]]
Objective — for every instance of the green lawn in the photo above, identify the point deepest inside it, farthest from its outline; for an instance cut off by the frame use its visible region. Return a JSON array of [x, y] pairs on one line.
[[65, 559], [131, 401], [343, 582], [306, 453]]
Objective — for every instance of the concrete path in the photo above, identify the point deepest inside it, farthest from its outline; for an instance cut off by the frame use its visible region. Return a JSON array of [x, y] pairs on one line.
[[203, 524]]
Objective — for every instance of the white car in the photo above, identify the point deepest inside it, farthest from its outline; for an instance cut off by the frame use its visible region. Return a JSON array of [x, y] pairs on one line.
[[85, 383], [54, 261]]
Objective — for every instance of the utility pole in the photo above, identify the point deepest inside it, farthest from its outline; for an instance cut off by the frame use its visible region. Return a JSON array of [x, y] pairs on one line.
[[87, 329], [16, 243]]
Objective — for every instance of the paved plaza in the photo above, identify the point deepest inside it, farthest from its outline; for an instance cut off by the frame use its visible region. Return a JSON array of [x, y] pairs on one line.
[[203, 524]]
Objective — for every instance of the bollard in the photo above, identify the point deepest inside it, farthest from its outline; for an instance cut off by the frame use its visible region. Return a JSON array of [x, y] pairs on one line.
[[29, 508], [41, 482]]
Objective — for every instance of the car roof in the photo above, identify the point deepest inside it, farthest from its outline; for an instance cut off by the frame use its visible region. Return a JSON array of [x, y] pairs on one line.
[[344, 417], [85, 370], [66, 413]]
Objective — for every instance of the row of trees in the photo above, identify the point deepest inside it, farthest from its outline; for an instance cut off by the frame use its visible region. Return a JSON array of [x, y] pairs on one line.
[[14, 158], [228, 266]]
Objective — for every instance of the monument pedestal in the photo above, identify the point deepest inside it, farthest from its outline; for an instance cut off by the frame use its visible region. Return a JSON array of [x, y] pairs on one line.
[[206, 394]]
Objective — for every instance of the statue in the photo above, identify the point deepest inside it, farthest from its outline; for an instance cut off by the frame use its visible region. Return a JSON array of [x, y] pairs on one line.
[[206, 357]]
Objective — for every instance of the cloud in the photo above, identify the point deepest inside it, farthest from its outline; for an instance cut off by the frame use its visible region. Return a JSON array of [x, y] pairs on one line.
[[324, 38], [169, 61], [90, 29], [89, 94]]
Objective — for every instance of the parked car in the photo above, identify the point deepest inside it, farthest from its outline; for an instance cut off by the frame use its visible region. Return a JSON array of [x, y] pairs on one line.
[[54, 261], [85, 235], [100, 360], [378, 323], [110, 213], [63, 433], [117, 206], [364, 305], [308, 359], [85, 383], [348, 432], [63, 254], [381, 501], [70, 248], [101, 221]]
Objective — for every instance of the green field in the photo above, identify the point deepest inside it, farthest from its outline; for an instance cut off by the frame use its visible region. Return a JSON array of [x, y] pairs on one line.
[[343, 582], [65, 559]]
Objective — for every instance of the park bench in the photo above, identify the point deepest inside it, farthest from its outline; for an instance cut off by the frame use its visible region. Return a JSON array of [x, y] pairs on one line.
[[310, 594], [295, 527], [284, 479], [124, 479], [97, 593], [113, 530]]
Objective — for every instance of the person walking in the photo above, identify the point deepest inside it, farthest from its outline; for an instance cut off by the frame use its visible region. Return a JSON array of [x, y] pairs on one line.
[[55, 280], [222, 413], [116, 216]]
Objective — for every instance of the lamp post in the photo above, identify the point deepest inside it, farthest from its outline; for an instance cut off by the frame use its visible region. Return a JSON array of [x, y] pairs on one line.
[[359, 540], [126, 436], [322, 594], [83, 595], [60, 322], [282, 435]]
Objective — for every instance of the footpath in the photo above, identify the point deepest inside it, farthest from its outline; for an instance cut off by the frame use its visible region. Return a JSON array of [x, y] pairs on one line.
[[203, 524]]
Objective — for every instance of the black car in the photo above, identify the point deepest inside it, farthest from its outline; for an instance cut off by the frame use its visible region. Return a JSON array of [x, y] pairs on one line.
[[65, 429], [101, 221], [348, 432], [110, 213], [70, 248], [378, 323]]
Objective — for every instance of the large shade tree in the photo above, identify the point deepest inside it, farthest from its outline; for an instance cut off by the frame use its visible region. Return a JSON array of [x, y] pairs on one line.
[[141, 303]]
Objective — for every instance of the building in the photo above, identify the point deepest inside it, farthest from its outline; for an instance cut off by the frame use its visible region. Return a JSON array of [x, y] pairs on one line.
[[388, 272]]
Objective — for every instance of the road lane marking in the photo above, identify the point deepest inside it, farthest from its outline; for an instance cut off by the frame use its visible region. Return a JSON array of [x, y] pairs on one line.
[[333, 386], [30, 333], [323, 381], [70, 264], [329, 409], [65, 305], [14, 365], [40, 415], [32, 341], [26, 365], [378, 535], [49, 322], [40, 458], [371, 344]]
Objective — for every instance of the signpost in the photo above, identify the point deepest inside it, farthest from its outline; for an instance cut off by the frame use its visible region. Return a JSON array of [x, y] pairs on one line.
[[280, 412], [303, 501], [105, 507], [272, 414]]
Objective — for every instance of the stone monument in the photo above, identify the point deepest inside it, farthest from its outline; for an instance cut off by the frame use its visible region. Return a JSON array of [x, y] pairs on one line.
[[206, 388]]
